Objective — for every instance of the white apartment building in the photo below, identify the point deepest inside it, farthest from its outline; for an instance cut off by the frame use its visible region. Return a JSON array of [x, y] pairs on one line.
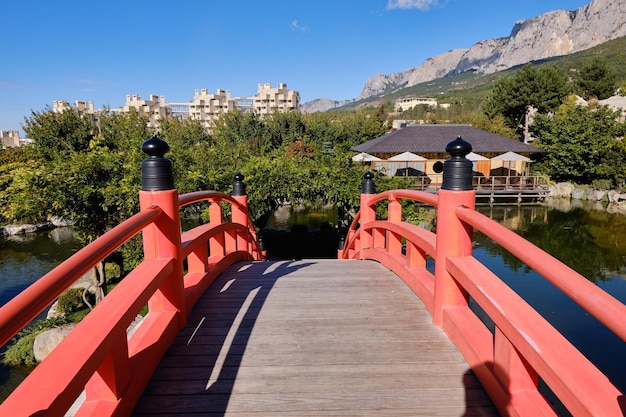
[[207, 107], [155, 107], [84, 107], [204, 107], [269, 100], [11, 139]]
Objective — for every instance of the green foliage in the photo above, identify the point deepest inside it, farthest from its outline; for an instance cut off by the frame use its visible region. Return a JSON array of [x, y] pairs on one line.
[[596, 80], [622, 88], [543, 88], [580, 144], [71, 300], [55, 134], [20, 352], [91, 179], [131, 253], [112, 271], [603, 184]]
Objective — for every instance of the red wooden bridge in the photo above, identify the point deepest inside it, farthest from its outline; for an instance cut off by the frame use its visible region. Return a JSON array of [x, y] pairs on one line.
[[374, 332]]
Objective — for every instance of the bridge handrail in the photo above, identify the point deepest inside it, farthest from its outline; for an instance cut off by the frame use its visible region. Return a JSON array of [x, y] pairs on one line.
[[98, 356], [600, 304], [524, 346], [214, 197], [398, 194], [27, 305]]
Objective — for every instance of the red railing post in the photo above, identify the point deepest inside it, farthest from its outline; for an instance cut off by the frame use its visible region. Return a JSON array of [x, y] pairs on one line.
[[163, 238], [394, 240], [240, 212], [217, 244], [454, 238], [368, 214]]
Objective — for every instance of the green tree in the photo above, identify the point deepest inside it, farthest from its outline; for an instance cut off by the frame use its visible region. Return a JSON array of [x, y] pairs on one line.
[[596, 80], [580, 144], [57, 133], [543, 88]]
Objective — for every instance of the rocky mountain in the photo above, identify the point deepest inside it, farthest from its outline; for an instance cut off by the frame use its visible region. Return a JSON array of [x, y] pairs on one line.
[[555, 33], [323, 104]]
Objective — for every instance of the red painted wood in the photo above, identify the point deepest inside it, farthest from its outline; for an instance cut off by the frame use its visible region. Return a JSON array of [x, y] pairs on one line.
[[454, 238], [115, 372], [524, 347], [18, 312], [217, 244], [589, 296], [162, 240], [96, 355], [541, 346], [394, 240]]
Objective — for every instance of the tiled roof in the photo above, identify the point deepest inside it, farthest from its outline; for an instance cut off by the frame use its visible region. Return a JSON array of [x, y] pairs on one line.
[[431, 138]]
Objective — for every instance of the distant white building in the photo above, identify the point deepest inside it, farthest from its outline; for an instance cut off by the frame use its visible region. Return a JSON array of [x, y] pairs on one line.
[[204, 107], [269, 100], [11, 139], [155, 107], [403, 104], [207, 107]]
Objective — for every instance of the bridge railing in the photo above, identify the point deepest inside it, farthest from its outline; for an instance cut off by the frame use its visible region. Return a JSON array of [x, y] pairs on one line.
[[98, 356], [524, 348]]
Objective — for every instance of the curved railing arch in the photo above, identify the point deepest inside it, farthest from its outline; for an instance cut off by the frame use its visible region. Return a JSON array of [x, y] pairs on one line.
[[524, 347], [98, 357]]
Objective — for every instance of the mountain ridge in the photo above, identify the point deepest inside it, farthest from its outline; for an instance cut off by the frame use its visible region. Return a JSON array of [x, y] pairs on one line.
[[552, 34]]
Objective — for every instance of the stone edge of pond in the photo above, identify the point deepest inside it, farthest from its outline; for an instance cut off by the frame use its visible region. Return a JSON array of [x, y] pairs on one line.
[[20, 229]]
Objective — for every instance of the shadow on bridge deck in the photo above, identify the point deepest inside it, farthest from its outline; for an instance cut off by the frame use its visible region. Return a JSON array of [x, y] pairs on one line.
[[312, 337]]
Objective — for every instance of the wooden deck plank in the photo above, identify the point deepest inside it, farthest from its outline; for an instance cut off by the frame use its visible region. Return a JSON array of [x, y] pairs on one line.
[[312, 338]]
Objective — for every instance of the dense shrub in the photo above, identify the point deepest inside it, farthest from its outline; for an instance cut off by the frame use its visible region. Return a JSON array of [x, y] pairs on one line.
[[21, 351], [71, 300], [602, 184]]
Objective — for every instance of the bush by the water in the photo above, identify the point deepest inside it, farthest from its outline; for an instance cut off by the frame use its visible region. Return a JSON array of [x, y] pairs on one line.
[[603, 184], [71, 300], [21, 351]]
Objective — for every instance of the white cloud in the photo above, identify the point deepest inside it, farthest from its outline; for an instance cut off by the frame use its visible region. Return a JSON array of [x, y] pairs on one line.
[[412, 4], [9, 84], [85, 81], [298, 27]]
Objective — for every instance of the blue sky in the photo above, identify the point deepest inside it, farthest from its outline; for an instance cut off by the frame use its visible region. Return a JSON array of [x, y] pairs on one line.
[[102, 50]]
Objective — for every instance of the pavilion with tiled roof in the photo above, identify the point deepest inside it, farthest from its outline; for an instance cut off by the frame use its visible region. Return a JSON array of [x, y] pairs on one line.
[[414, 149]]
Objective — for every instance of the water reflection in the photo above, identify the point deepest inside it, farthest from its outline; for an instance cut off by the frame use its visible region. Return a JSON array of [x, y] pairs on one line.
[[301, 232], [588, 239]]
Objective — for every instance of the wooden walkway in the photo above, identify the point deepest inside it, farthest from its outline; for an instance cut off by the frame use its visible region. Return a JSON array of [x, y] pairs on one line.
[[312, 338]]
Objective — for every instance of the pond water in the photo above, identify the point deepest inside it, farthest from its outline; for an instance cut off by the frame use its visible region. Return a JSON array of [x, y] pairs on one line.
[[24, 259], [587, 238]]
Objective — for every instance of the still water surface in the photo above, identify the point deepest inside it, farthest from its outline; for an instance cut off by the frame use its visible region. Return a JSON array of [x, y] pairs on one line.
[[24, 259], [587, 238]]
